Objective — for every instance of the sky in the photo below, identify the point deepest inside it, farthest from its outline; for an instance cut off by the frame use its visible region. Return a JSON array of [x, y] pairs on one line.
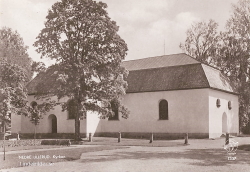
[[149, 27]]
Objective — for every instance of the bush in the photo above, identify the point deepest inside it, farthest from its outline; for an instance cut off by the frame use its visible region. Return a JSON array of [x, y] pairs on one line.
[[246, 129], [56, 142], [17, 143]]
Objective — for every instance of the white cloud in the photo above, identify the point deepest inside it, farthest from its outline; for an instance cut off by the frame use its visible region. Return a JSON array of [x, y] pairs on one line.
[[137, 10], [139, 15], [144, 24], [27, 18], [149, 41], [185, 19]]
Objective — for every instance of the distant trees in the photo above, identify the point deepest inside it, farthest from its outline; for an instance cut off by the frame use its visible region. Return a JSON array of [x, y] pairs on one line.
[[83, 40], [228, 50], [202, 41]]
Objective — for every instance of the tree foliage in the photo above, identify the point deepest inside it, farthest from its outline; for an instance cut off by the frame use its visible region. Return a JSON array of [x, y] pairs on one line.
[[235, 56], [13, 93], [201, 42], [83, 40], [13, 50], [15, 72], [229, 51], [38, 67], [37, 111]]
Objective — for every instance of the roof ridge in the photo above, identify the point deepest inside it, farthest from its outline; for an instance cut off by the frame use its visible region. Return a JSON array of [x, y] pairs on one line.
[[154, 57], [159, 61], [203, 62], [203, 70], [214, 67]]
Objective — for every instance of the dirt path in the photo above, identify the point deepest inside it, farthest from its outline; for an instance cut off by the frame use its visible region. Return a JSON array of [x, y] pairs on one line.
[[200, 155]]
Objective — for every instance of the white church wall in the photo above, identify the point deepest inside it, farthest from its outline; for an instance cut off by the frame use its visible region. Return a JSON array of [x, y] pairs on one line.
[[188, 112], [28, 127], [15, 123], [93, 123], [64, 125], [216, 113]]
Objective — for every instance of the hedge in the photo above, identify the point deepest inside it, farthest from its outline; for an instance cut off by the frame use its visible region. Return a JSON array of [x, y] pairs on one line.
[[56, 142], [17, 143]]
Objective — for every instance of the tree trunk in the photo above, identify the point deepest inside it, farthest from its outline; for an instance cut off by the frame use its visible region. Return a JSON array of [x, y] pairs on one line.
[[77, 127], [4, 139], [35, 133]]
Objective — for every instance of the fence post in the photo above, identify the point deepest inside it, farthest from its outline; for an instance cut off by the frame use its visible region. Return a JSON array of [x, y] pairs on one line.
[[227, 139], [90, 137], [119, 137], [151, 138], [186, 139]]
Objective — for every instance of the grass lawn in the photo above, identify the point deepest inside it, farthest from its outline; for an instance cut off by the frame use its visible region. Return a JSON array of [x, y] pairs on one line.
[[48, 157], [7, 148]]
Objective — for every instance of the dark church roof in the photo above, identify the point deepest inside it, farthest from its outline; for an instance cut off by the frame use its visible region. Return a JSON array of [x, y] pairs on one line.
[[40, 78], [165, 73], [191, 76], [159, 61], [173, 72], [217, 80]]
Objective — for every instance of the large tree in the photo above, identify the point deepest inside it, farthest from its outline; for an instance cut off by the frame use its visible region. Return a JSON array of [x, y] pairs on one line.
[[229, 51], [83, 39], [12, 91], [201, 42], [235, 56], [13, 50]]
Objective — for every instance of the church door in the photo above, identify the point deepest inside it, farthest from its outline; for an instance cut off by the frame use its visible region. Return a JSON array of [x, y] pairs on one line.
[[53, 123]]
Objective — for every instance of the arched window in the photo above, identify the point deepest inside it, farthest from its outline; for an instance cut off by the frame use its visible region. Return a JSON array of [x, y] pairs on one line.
[[229, 105], [114, 108], [72, 109], [218, 103], [163, 110], [33, 104]]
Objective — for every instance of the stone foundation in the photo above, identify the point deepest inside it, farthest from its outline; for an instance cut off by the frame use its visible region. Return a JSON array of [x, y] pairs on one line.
[[157, 136], [49, 135], [133, 135]]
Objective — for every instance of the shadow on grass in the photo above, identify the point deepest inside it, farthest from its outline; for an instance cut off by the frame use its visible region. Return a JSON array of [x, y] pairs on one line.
[[244, 147], [199, 157]]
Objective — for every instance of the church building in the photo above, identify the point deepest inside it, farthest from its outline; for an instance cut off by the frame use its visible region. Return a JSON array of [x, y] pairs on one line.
[[167, 95]]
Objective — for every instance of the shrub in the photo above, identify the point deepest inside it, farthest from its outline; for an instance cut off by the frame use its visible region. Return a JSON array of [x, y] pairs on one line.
[[56, 142], [17, 143]]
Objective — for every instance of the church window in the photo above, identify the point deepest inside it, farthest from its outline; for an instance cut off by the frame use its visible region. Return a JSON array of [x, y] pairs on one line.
[[114, 108], [163, 110], [229, 105], [218, 103], [33, 104]]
